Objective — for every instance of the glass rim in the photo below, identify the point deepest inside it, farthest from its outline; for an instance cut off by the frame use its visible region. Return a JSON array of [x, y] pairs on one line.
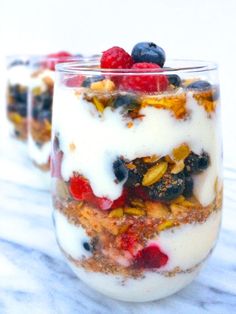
[[87, 66]]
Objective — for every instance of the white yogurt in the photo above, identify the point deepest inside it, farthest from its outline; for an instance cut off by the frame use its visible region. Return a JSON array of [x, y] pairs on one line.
[[153, 286], [18, 74], [70, 237], [98, 141], [38, 80], [40, 155], [189, 244]]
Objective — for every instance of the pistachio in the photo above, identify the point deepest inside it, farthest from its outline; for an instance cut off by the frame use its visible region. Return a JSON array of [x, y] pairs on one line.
[[137, 203], [156, 210], [165, 225], [181, 152], [116, 213], [98, 104], [134, 211], [178, 167], [155, 173]]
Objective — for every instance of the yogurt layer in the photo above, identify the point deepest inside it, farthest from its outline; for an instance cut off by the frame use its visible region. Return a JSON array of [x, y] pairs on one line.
[[153, 286], [98, 141], [38, 80], [39, 154], [18, 74]]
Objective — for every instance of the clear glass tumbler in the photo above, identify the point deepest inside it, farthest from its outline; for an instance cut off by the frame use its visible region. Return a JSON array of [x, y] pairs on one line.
[[16, 94], [137, 181]]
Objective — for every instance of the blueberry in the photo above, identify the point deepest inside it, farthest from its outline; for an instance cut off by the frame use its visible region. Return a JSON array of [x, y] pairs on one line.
[[168, 188], [89, 80], [46, 99], [191, 163], [22, 109], [120, 170], [127, 101], [45, 115], [135, 176], [148, 52], [188, 188], [203, 161], [86, 246], [174, 79], [201, 85]]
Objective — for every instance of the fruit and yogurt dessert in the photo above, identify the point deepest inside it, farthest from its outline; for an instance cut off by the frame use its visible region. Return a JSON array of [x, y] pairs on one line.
[[136, 167], [40, 106], [16, 95]]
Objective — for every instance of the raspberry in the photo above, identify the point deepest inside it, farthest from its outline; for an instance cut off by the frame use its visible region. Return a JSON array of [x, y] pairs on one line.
[[81, 190], [145, 83], [56, 58], [74, 81], [116, 58], [150, 257]]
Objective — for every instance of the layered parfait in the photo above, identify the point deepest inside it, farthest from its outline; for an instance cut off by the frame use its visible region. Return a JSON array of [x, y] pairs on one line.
[[40, 106], [16, 95], [136, 168]]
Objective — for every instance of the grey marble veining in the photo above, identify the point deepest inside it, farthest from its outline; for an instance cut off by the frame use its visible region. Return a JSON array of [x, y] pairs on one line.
[[34, 278]]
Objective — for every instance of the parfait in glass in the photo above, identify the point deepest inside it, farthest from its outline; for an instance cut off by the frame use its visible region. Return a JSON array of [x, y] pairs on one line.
[[16, 95], [40, 106], [136, 167]]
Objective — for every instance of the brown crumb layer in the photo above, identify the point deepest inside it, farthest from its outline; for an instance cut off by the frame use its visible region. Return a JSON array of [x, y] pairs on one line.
[[40, 130]]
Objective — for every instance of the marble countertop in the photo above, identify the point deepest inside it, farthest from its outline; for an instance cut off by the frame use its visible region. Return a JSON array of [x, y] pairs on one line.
[[34, 277]]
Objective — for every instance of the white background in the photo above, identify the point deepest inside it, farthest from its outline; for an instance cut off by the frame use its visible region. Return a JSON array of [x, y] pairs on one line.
[[200, 29]]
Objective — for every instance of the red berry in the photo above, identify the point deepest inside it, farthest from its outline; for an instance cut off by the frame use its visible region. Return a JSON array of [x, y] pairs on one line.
[[80, 188], [55, 58], [150, 257], [74, 81], [116, 58], [145, 83]]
